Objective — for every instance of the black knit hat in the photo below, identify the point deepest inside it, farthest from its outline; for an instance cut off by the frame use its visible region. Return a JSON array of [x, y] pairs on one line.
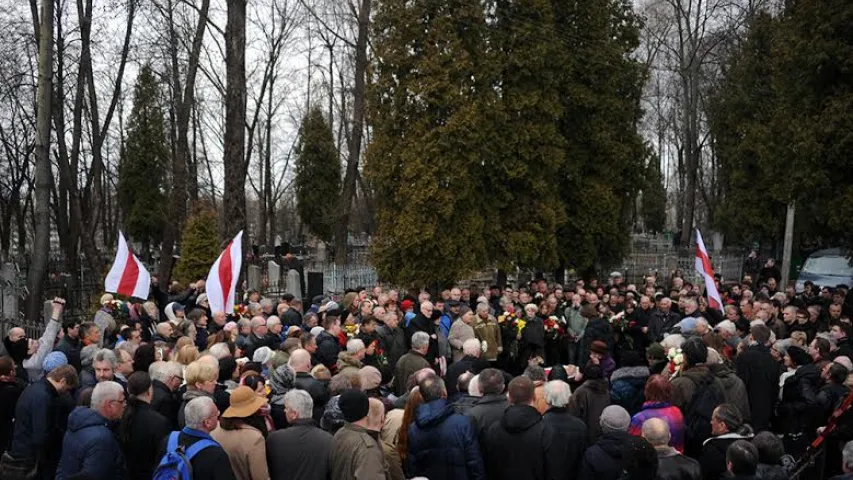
[[798, 355], [354, 405]]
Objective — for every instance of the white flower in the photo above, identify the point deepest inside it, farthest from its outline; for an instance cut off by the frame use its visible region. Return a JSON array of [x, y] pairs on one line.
[[484, 346]]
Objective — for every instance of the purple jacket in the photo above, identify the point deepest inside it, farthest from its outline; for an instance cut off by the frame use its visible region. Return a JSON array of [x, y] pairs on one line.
[[667, 412]]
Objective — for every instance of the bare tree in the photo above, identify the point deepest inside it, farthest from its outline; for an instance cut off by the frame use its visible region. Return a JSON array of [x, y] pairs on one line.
[[44, 175]]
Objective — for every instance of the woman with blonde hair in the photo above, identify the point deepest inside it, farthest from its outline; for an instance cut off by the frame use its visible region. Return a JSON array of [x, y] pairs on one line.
[[200, 377], [181, 343], [187, 355]]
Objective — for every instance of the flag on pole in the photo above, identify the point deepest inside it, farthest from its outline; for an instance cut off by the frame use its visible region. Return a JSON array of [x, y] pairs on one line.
[[222, 279], [128, 275], [703, 266]]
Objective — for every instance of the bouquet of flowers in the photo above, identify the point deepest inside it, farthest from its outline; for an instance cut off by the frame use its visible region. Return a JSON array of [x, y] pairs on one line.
[[351, 329], [676, 361], [113, 306], [241, 310], [618, 322], [554, 327], [511, 324]]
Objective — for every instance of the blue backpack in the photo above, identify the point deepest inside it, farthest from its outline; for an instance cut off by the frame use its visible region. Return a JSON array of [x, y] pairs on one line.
[[175, 464]]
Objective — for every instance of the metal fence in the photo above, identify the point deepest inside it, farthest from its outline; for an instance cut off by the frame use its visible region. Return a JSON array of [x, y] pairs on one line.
[[663, 264]]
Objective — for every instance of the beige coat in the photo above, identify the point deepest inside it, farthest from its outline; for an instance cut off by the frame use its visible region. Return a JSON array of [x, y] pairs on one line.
[[357, 455], [459, 333], [246, 449]]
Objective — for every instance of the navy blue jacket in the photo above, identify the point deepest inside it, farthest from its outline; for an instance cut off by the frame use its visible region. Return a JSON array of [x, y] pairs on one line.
[[38, 421], [90, 448], [443, 445]]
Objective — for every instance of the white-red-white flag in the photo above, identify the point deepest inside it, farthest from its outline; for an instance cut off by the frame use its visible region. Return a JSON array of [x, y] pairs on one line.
[[222, 279], [128, 275], [703, 266]]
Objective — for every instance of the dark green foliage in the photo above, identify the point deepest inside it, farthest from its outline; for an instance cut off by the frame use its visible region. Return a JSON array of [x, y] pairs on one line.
[[431, 91], [605, 155], [528, 150], [653, 204], [143, 163], [318, 175], [199, 246], [783, 125], [504, 134]]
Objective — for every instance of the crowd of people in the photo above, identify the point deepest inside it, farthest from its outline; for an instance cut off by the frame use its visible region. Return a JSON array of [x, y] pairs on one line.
[[589, 380]]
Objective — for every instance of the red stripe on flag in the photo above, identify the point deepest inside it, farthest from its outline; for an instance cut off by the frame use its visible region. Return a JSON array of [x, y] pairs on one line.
[[706, 262], [129, 277], [225, 273]]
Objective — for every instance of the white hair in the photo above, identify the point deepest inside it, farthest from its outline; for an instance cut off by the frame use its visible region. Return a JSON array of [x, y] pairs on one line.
[[847, 454], [300, 402], [162, 371], [273, 321], [727, 326], [672, 341], [197, 411], [354, 346], [266, 302], [420, 340], [482, 307], [263, 355], [474, 387], [557, 393], [220, 351], [105, 355], [471, 347], [701, 321], [531, 307], [103, 392]]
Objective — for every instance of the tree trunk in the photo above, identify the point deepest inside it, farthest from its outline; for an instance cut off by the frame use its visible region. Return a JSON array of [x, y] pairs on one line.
[[234, 202], [357, 132], [268, 193], [41, 247], [183, 101]]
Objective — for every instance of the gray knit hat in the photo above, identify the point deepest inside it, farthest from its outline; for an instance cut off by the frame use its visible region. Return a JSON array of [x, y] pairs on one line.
[[615, 419]]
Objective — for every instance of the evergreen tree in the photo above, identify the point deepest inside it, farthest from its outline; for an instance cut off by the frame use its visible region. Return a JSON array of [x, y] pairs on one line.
[[199, 246], [528, 148], [318, 175], [605, 155], [654, 197], [144, 159], [431, 91], [784, 123]]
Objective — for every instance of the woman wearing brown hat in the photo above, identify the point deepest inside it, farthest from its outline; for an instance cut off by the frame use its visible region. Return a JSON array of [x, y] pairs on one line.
[[242, 434]]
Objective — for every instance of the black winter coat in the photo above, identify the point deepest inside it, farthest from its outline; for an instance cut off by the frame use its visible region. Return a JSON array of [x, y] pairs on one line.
[[419, 323], [465, 364], [760, 374], [145, 431], [212, 463], [568, 441], [520, 446], [317, 389], [71, 348], [587, 403], [713, 459], [166, 403], [799, 398], [300, 451], [488, 410], [675, 466], [660, 323], [9, 394], [328, 349], [627, 386], [393, 343], [603, 461]]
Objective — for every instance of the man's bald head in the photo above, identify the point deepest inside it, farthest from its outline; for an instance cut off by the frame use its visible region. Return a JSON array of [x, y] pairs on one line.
[[656, 432], [16, 334], [300, 360]]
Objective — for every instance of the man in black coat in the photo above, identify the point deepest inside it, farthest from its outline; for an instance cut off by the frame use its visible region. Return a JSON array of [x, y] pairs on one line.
[[490, 408], [671, 464], [300, 362], [471, 362], [302, 450], [520, 446], [392, 337], [569, 432], [212, 463], [328, 346], [142, 430], [603, 460], [760, 374], [423, 322], [844, 347], [70, 343], [10, 390], [166, 379], [662, 320]]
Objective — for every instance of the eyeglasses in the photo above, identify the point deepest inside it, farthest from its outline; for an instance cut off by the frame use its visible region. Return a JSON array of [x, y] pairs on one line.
[[123, 401]]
